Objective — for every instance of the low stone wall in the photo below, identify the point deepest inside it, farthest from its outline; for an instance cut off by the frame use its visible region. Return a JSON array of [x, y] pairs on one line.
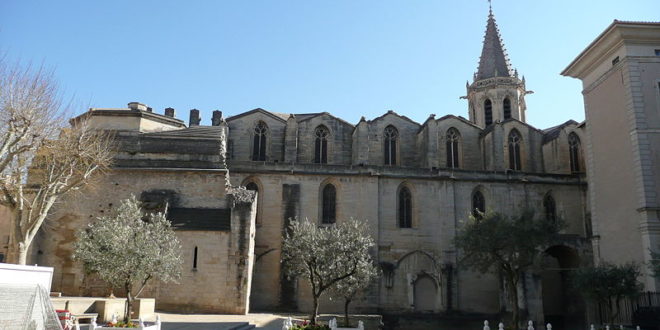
[[142, 307]]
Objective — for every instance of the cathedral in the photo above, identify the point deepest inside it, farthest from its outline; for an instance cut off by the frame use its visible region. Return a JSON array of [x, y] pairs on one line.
[[235, 185]]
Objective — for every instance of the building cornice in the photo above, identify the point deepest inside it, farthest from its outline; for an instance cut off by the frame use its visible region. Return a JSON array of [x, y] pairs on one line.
[[615, 35]]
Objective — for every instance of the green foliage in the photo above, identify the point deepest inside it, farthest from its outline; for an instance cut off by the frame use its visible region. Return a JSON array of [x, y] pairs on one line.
[[129, 248], [607, 281], [654, 265], [495, 242], [607, 284], [326, 255]]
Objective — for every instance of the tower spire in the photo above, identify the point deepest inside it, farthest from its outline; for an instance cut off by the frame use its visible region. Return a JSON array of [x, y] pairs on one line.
[[493, 62]]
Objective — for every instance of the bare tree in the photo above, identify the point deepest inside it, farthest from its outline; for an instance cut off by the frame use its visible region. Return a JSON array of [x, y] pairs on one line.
[[34, 141]]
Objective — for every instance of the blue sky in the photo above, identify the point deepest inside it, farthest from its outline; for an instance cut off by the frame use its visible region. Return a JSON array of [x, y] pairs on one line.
[[349, 57]]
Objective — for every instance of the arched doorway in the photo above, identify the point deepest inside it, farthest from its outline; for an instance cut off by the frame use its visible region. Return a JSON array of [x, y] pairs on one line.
[[562, 306], [425, 294]]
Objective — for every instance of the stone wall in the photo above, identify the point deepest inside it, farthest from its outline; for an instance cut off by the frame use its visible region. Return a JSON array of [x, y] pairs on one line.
[[441, 202], [221, 281]]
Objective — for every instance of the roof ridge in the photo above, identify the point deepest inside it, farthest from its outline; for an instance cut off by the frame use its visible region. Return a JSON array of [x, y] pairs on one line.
[[494, 61]]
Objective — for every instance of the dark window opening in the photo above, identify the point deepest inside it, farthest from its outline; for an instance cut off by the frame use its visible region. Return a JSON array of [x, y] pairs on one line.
[[514, 151], [550, 208], [230, 149], [615, 60], [453, 139], [507, 108], [488, 112], [478, 205], [574, 152], [259, 142], [657, 52], [390, 136], [195, 259], [321, 145], [329, 204], [405, 208]]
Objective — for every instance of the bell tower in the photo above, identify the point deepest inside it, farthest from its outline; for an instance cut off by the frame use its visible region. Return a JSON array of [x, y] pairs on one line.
[[496, 93]]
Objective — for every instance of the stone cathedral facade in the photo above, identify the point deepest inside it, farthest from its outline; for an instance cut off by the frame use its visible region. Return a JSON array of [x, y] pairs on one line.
[[415, 183]]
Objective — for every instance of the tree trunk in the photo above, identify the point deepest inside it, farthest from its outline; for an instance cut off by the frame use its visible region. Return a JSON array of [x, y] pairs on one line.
[[348, 301], [513, 291], [22, 254], [315, 311], [129, 304]]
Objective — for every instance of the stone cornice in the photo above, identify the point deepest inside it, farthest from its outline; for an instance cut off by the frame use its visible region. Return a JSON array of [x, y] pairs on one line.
[[608, 41], [129, 113]]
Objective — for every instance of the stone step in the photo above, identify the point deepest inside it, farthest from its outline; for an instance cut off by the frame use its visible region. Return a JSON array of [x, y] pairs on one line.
[[243, 326]]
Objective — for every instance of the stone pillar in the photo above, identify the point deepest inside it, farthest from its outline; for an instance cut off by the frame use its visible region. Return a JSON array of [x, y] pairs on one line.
[[194, 118], [216, 118], [361, 143], [431, 158], [291, 140], [289, 286], [169, 112]]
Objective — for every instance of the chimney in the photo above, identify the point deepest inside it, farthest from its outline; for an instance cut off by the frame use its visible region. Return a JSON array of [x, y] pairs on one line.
[[169, 112], [217, 118], [194, 118], [137, 106]]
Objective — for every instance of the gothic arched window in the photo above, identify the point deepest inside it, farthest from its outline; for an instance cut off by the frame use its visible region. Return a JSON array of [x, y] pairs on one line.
[[515, 141], [321, 145], [488, 112], [405, 208], [507, 108], [390, 137], [574, 152], [329, 204], [453, 145], [259, 142], [550, 208], [478, 204]]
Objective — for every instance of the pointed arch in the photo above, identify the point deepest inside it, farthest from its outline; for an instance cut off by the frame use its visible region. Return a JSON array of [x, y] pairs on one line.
[[404, 207], [390, 145], [488, 112], [515, 143], [506, 108], [549, 207], [575, 152], [328, 204], [321, 135], [478, 204], [453, 147], [259, 141]]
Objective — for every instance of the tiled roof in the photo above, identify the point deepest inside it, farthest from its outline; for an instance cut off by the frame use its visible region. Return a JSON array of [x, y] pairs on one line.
[[204, 132], [493, 62]]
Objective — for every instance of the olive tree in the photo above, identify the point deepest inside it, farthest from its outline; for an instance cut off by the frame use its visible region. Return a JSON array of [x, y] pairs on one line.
[[351, 287], [608, 284], [34, 140], [509, 245], [129, 248], [326, 255]]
